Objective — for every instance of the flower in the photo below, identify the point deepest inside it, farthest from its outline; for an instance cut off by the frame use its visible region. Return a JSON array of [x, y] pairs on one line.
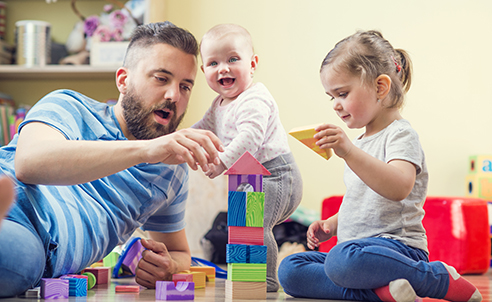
[[90, 25], [111, 25]]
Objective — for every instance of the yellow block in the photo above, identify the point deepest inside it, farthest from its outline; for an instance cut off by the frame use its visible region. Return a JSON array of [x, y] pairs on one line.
[[198, 277], [305, 135], [208, 270]]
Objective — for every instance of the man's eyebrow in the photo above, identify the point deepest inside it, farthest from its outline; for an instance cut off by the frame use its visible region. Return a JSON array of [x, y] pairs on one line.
[[192, 82]]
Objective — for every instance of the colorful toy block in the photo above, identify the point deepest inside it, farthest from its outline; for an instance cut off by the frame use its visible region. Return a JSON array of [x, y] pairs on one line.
[[236, 215], [127, 288], [247, 164], [77, 287], [102, 274], [208, 270], [54, 288], [248, 272], [91, 279], [240, 253], [305, 135], [255, 207], [480, 164], [457, 231], [479, 185], [166, 290], [199, 278], [183, 277], [245, 235], [132, 255], [245, 290], [246, 183]]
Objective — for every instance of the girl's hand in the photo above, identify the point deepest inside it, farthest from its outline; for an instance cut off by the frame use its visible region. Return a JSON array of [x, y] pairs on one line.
[[319, 231], [331, 136]]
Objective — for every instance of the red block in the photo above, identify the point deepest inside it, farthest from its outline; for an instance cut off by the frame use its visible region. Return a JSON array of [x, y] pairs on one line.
[[245, 235], [457, 231], [102, 274]]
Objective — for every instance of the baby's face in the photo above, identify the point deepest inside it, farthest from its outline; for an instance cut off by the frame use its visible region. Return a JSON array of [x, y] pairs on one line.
[[228, 64]]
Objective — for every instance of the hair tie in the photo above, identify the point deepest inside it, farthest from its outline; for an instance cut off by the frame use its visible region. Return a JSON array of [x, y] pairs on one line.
[[398, 66]]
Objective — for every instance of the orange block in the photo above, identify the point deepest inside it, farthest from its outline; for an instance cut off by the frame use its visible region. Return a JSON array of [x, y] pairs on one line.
[[208, 270], [198, 277], [305, 135]]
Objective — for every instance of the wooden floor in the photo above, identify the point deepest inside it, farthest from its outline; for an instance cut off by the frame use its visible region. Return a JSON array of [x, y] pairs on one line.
[[216, 292]]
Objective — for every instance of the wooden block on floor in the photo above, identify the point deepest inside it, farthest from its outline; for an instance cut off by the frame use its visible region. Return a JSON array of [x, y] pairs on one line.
[[199, 278], [236, 213], [245, 290], [208, 270], [245, 235], [248, 272], [127, 289], [54, 288], [77, 287], [102, 274], [166, 290], [255, 207]]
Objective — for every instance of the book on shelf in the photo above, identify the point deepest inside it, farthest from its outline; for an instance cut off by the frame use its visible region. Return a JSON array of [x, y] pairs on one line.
[[10, 118]]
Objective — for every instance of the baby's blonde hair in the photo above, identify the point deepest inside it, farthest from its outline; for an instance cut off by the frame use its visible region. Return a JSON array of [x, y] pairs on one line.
[[368, 55], [222, 30]]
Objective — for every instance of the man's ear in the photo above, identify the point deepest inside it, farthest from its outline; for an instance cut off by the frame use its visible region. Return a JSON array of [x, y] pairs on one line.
[[201, 67], [121, 79], [383, 86]]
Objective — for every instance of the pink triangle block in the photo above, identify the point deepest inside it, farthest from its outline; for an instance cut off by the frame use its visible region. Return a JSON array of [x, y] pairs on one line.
[[247, 164]]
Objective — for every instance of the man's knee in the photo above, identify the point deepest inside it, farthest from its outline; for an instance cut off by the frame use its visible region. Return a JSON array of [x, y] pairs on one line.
[[22, 259]]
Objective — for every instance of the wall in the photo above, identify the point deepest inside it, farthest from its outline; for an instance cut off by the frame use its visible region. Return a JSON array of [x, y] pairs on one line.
[[449, 103]]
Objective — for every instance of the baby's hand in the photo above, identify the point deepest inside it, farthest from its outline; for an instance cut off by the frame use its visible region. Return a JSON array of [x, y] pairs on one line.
[[319, 231], [331, 136], [215, 170]]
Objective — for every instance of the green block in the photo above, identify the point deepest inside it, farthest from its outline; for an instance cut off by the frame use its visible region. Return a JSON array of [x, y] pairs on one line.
[[246, 272], [255, 207]]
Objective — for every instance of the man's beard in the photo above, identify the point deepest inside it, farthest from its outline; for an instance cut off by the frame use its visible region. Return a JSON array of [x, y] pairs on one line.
[[140, 122]]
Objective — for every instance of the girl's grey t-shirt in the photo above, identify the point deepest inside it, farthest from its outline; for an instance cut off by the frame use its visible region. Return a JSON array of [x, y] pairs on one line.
[[364, 213]]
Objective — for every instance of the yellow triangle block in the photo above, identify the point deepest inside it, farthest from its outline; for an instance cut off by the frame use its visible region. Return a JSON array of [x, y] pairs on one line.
[[305, 135]]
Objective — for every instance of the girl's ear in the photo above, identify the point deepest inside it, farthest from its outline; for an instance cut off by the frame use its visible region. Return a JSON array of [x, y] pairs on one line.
[[383, 86], [121, 79]]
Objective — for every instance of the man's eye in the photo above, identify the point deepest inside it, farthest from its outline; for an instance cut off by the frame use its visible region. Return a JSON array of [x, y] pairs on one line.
[[186, 88], [160, 79]]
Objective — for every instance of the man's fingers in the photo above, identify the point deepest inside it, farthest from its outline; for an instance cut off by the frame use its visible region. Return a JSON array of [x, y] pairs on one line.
[[156, 247]]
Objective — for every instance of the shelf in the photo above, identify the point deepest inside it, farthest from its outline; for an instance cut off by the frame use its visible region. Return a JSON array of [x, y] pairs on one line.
[[59, 72]]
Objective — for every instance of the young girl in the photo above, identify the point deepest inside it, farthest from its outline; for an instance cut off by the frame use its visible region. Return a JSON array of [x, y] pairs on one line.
[[381, 253], [245, 117]]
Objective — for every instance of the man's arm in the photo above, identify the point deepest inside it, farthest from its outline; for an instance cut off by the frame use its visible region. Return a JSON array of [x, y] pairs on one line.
[[45, 156], [166, 254]]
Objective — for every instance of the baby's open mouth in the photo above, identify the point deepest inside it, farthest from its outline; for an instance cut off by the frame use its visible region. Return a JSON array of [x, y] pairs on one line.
[[226, 81]]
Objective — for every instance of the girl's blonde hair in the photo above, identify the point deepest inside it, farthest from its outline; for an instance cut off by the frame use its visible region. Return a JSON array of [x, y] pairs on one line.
[[368, 55]]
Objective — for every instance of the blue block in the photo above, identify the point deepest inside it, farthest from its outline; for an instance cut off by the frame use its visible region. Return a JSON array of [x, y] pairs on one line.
[[242, 253], [236, 213]]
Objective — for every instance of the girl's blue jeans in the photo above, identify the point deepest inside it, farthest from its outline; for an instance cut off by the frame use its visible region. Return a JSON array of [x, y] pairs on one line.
[[351, 270]]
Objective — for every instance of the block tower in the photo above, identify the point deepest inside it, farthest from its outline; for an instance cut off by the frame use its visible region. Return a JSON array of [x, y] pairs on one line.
[[246, 255], [479, 182]]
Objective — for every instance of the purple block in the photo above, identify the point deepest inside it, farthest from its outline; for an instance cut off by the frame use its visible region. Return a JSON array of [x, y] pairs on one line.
[[255, 180], [54, 288], [166, 290], [133, 255]]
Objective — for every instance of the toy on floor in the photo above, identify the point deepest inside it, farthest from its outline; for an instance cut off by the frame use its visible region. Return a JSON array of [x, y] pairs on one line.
[[166, 290], [246, 254], [198, 278], [305, 135], [54, 288], [102, 274], [128, 261], [127, 289]]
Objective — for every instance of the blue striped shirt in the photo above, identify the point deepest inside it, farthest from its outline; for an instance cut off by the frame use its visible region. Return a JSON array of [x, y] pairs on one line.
[[87, 221]]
